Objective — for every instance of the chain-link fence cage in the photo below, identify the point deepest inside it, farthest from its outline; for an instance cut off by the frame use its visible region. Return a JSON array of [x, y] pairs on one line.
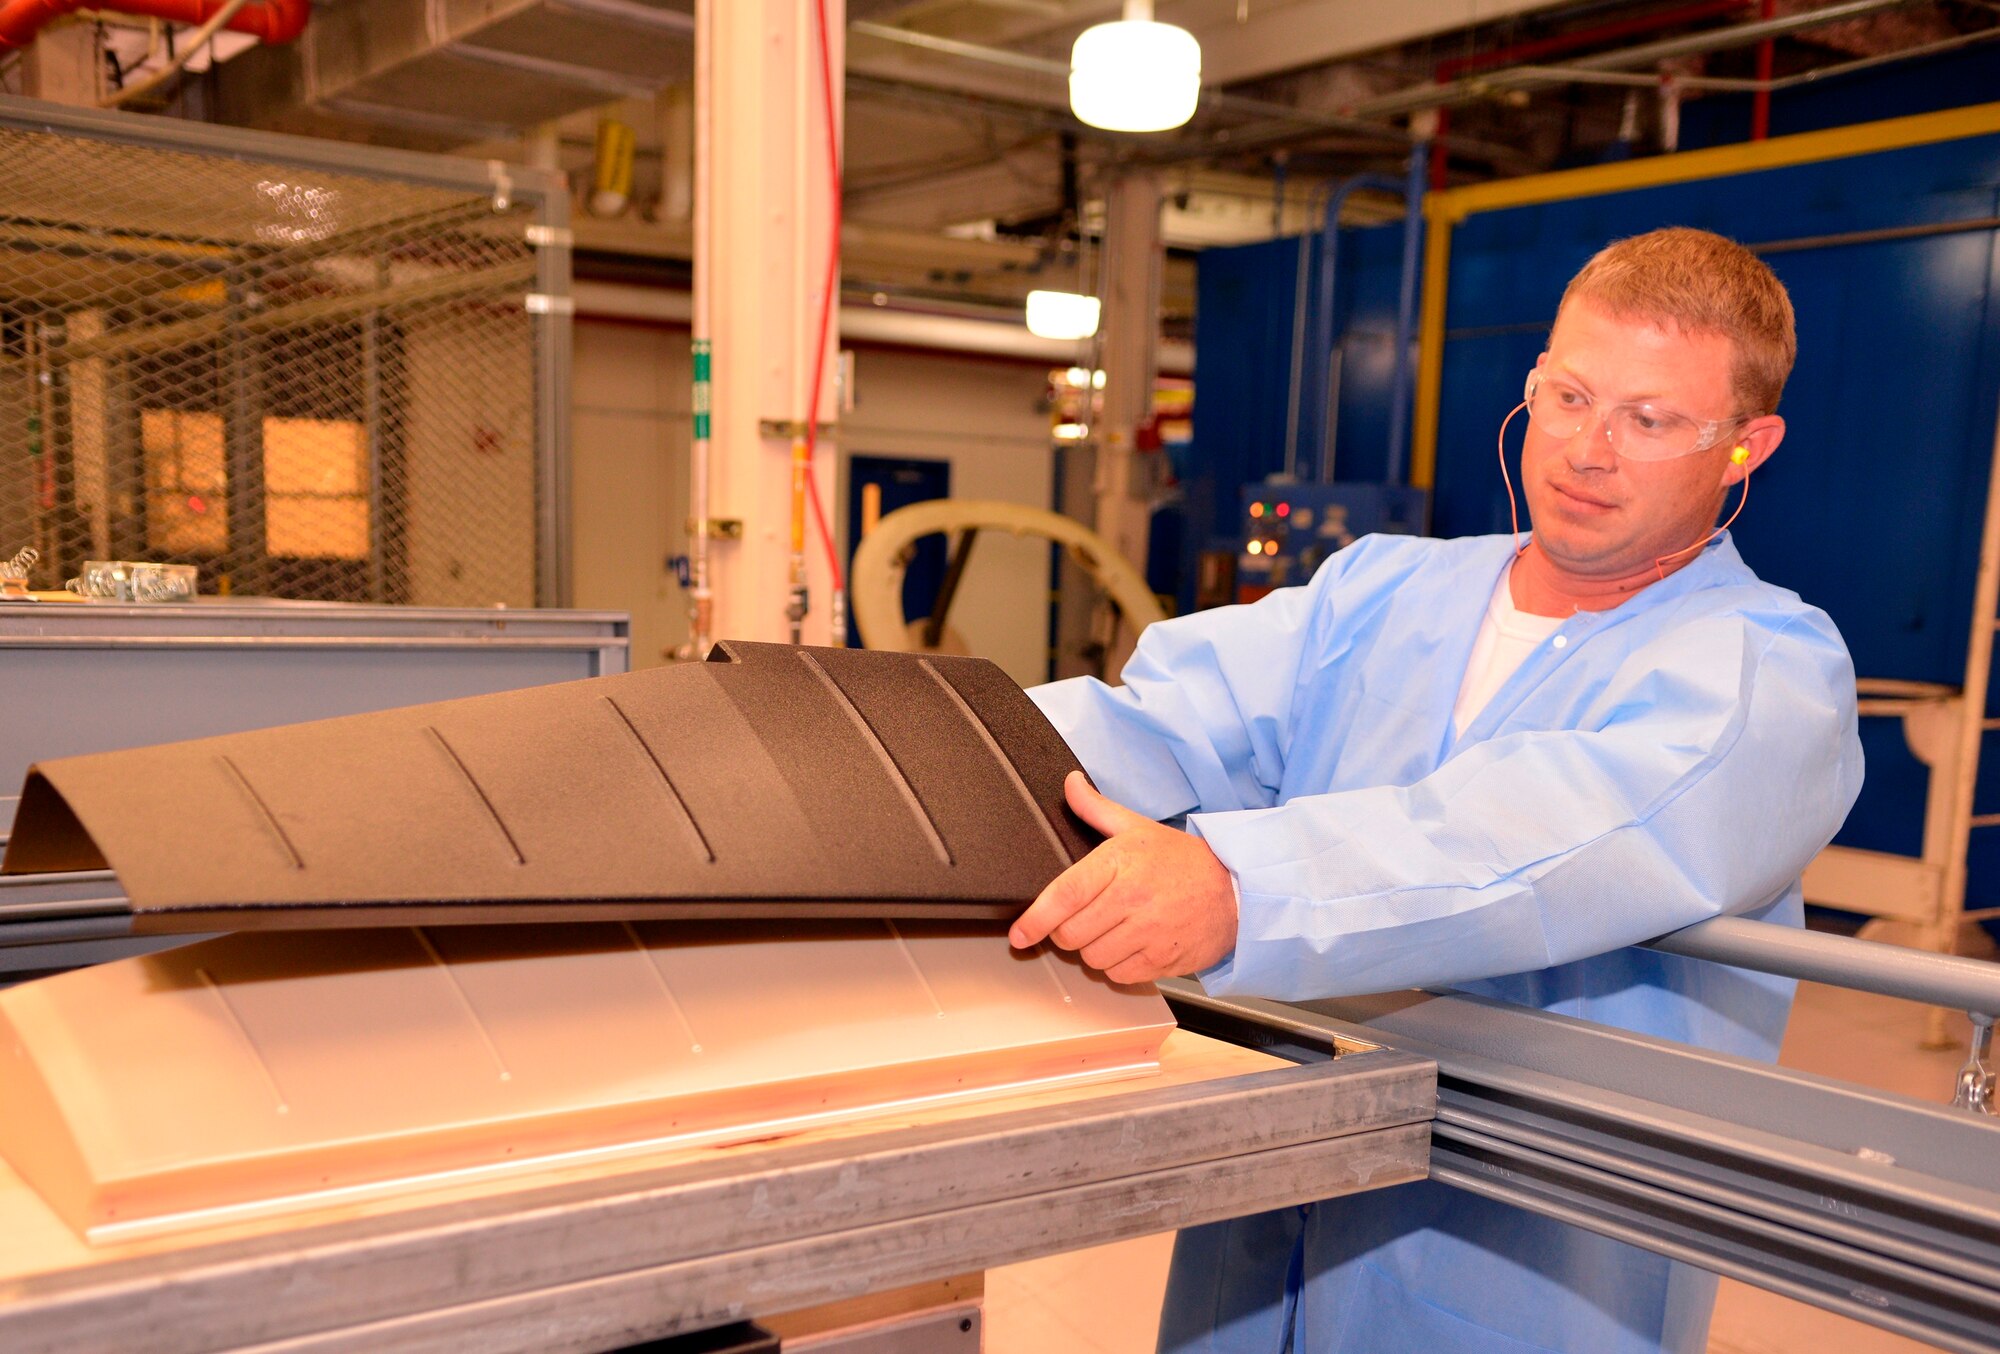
[[313, 370]]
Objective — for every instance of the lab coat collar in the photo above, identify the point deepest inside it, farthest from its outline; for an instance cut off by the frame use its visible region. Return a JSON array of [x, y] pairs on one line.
[[1717, 565]]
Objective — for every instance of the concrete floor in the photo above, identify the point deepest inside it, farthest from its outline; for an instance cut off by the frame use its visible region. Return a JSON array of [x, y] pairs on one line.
[[1107, 1301]]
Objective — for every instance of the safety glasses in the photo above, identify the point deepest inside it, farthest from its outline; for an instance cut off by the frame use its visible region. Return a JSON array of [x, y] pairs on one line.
[[1639, 432]]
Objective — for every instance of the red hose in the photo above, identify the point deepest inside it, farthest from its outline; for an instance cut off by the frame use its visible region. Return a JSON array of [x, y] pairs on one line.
[[266, 20], [826, 294], [1760, 103]]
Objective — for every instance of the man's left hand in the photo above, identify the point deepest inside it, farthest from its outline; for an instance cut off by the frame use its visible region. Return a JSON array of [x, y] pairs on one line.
[[1150, 902]]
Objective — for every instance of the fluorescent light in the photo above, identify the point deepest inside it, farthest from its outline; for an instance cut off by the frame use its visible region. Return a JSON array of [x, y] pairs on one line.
[[1061, 315], [1135, 76]]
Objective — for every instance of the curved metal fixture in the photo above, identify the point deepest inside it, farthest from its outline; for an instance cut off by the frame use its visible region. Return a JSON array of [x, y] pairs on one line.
[[883, 556], [266, 20]]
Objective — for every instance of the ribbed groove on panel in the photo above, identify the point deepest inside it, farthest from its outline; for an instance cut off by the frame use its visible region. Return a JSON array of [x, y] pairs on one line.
[[1000, 756], [451, 755], [896, 775], [235, 1022], [369, 820], [673, 791], [652, 963], [464, 1003], [264, 811]]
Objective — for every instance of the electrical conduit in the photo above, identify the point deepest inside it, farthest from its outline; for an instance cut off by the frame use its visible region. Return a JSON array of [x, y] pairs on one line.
[[826, 304], [701, 620]]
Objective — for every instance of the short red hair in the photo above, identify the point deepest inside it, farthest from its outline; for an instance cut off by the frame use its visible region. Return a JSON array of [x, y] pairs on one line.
[[1701, 282]]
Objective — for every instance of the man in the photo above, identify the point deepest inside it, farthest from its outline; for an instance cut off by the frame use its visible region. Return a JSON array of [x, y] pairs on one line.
[[1493, 766]]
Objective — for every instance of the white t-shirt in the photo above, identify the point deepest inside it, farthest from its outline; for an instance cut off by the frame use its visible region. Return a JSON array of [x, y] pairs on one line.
[[1506, 637]]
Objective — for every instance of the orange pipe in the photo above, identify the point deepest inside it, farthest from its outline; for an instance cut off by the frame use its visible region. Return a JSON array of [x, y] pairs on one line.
[[266, 20]]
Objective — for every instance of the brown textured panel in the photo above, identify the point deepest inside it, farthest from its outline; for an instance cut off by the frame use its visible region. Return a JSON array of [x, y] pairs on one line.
[[773, 781], [1019, 736]]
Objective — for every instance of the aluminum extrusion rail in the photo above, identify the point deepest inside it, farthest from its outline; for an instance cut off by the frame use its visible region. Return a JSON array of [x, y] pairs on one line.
[[1880, 1207]]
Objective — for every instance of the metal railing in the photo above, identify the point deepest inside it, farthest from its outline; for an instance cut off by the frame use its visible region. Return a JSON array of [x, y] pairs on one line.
[[1969, 985]]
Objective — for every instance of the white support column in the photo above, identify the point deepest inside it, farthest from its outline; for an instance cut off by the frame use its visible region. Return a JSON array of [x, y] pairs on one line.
[[769, 228], [1126, 479]]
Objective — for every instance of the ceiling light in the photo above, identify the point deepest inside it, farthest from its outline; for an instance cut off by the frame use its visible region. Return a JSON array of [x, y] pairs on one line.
[[1061, 315], [1135, 75]]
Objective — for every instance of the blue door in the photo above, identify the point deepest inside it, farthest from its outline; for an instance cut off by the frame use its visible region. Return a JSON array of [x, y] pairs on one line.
[[900, 482]]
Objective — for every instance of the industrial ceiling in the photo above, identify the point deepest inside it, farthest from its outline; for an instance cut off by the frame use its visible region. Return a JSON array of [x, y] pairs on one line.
[[957, 119]]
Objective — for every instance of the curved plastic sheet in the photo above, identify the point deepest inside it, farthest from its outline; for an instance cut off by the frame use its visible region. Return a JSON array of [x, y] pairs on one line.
[[771, 781], [262, 1073]]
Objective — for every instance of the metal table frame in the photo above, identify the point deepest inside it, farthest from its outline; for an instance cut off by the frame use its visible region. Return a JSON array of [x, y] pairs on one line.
[[600, 1264], [1874, 1205]]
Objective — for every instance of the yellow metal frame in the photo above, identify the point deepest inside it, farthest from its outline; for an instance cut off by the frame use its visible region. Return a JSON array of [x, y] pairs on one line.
[[1446, 209]]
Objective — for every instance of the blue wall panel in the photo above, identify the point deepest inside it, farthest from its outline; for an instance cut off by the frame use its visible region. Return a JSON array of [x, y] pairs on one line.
[[1872, 508], [1951, 80], [1246, 299]]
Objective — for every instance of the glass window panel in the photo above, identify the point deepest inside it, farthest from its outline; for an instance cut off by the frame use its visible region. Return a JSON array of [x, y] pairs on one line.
[[183, 450], [314, 456], [316, 528], [183, 523]]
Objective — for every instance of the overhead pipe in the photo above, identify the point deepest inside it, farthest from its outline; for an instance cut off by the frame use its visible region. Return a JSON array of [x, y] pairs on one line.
[[265, 20], [1176, 151], [1452, 67], [1728, 84], [1329, 263], [1041, 65], [1467, 88], [1406, 313], [1411, 188], [1760, 104], [199, 39]]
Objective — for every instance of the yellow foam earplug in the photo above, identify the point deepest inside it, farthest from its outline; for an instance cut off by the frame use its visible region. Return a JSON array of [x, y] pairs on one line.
[[1740, 455]]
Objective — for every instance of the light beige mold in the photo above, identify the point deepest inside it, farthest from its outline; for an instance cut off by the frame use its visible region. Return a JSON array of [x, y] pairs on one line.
[[264, 1072]]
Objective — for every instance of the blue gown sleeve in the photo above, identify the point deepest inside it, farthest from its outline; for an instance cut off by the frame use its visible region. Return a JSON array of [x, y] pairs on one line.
[[1203, 717], [1727, 758], [1719, 759]]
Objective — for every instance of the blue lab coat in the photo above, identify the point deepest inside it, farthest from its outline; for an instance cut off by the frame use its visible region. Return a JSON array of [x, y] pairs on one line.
[[1680, 756]]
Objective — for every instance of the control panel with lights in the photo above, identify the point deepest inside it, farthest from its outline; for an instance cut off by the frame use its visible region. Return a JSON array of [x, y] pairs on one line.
[[1290, 529]]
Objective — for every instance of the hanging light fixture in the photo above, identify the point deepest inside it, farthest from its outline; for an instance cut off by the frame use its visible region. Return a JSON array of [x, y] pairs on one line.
[[1135, 75], [1062, 315]]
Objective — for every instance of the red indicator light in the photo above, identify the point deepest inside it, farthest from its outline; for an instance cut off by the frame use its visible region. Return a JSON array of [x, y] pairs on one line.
[[1284, 510]]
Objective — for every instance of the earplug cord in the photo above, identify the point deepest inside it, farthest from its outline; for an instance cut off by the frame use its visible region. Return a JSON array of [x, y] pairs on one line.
[[1740, 456], [1513, 510]]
